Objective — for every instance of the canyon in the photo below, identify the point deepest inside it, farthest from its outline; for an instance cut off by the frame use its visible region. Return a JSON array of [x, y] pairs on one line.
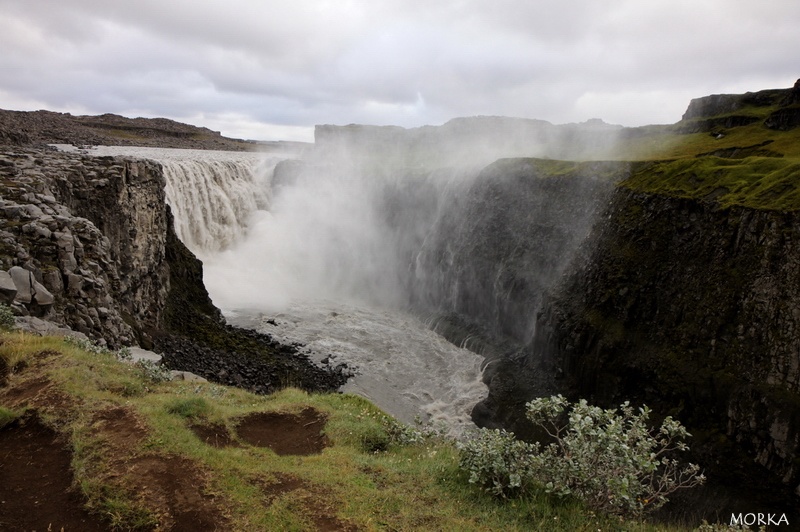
[[664, 274]]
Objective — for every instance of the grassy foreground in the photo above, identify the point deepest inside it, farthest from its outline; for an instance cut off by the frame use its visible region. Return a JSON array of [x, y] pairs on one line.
[[130, 437]]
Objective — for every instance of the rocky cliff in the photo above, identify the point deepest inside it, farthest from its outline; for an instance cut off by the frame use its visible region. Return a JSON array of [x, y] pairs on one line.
[[89, 244], [694, 309], [90, 230]]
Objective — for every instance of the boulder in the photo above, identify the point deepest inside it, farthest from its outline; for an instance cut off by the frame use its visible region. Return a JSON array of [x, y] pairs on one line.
[[138, 355], [45, 328], [23, 280], [8, 290], [41, 295], [186, 376]]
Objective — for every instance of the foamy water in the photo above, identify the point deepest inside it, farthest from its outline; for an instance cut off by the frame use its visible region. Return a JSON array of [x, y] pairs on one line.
[[402, 366]]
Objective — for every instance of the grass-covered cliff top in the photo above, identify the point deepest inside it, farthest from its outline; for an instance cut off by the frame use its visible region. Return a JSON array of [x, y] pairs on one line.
[[764, 183], [728, 149], [116, 448]]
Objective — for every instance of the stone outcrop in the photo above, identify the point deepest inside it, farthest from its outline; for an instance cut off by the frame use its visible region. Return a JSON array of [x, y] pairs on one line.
[[717, 111], [63, 267], [784, 119]]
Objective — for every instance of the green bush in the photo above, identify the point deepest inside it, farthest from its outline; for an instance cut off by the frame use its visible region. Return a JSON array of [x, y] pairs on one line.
[[498, 461], [155, 373], [6, 317], [608, 458]]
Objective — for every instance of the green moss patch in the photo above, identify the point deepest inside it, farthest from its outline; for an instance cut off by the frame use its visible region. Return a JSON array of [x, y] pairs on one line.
[[764, 183]]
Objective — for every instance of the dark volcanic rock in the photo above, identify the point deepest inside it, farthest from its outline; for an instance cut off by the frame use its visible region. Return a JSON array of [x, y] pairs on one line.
[[257, 363], [784, 119], [693, 310], [720, 104]]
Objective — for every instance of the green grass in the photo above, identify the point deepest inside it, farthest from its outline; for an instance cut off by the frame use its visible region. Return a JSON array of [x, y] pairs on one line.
[[757, 182], [750, 166], [364, 479], [659, 142], [7, 416]]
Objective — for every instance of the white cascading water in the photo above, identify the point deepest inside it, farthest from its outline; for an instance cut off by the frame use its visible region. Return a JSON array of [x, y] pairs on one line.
[[212, 194], [309, 261]]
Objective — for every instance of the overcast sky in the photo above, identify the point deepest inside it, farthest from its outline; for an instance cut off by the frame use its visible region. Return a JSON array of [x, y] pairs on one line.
[[272, 69]]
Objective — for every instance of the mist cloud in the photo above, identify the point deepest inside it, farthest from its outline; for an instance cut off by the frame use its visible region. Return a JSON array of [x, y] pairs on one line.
[[257, 69]]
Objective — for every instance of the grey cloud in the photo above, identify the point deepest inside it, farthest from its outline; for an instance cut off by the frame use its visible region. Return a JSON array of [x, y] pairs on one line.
[[407, 62]]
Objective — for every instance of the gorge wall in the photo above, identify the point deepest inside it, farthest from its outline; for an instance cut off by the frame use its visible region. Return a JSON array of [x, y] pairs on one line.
[[694, 310], [92, 231]]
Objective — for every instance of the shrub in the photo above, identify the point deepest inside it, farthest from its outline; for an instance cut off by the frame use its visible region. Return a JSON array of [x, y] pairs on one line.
[[608, 458], [6, 317], [498, 461], [155, 373]]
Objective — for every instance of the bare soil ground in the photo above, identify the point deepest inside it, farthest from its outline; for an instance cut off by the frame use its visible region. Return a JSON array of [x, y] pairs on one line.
[[38, 490], [286, 434]]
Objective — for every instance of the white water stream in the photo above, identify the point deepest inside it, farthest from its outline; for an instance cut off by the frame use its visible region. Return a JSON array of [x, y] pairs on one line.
[[305, 263]]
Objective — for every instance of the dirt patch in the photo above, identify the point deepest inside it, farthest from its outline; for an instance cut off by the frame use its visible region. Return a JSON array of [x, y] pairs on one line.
[[119, 426], [25, 391], [313, 500], [377, 476], [36, 487], [215, 435], [39, 394], [4, 371], [324, 518], [282, 484], [284, 433], [173, 487]]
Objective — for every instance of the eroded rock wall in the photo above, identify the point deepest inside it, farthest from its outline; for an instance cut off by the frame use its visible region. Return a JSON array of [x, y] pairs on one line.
[[92, 231], [694, 310]]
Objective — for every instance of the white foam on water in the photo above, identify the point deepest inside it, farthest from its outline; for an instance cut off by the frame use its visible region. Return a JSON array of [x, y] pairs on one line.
[[402, 366]]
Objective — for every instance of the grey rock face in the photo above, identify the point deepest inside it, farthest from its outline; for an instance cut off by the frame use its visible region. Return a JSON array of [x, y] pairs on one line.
[[23, 280], [72, 247], [8, 290], [693, 310], [42, 296]]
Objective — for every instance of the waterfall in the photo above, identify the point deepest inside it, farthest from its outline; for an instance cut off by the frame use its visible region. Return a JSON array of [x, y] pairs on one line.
[[213, 194], [351, 257], [213, 201]]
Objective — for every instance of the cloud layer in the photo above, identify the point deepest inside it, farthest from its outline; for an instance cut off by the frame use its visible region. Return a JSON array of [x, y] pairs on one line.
[[272, 70]]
